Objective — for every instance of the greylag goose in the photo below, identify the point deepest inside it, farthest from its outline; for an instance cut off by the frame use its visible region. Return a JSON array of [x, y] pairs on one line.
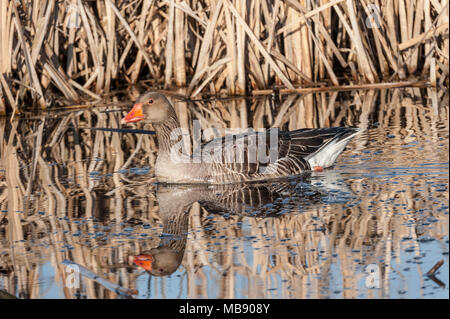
[[295, 151]]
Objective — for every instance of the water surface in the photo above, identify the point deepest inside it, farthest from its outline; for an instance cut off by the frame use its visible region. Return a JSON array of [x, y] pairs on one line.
[[69, 193]]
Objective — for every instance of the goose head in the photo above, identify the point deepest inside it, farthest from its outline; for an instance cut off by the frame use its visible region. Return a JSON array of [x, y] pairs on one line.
[[150, 107], [161, 261]]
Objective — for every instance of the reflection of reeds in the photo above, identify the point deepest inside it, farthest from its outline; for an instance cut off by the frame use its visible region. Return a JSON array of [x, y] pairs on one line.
[[83, 49], [71, 186]]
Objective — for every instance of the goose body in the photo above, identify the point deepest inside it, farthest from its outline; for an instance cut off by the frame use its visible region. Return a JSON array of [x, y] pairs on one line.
[[232, 159]]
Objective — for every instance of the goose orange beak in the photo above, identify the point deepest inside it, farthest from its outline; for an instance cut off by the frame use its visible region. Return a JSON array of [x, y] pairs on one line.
[[135, 115], [144, 261]]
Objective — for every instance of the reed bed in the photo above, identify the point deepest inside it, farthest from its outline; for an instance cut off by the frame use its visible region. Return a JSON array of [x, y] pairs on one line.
[[68, 52], [76, 196]]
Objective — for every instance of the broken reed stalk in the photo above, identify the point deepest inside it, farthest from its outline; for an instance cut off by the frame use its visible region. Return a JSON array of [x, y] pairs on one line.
[[103, 45], [374, 86], [435, 268], [124, 292]]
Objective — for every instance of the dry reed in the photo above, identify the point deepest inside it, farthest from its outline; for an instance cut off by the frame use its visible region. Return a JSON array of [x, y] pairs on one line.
[[82, 50]]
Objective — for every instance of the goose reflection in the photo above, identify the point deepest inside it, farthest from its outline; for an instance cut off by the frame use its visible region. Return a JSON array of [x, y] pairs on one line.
[[244, 199]]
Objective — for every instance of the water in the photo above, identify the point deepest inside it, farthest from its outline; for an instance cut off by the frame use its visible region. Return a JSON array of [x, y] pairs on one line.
[[371, 227]]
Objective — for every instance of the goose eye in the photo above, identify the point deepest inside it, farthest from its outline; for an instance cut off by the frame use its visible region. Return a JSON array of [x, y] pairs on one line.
[[150, 101]]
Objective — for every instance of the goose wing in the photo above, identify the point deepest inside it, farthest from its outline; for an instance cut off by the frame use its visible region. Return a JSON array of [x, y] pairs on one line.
[[273, 151], [238, 154], [307, 142]]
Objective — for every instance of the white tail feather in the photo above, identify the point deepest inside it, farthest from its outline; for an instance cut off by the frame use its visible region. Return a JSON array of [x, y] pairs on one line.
[[327, 155]]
